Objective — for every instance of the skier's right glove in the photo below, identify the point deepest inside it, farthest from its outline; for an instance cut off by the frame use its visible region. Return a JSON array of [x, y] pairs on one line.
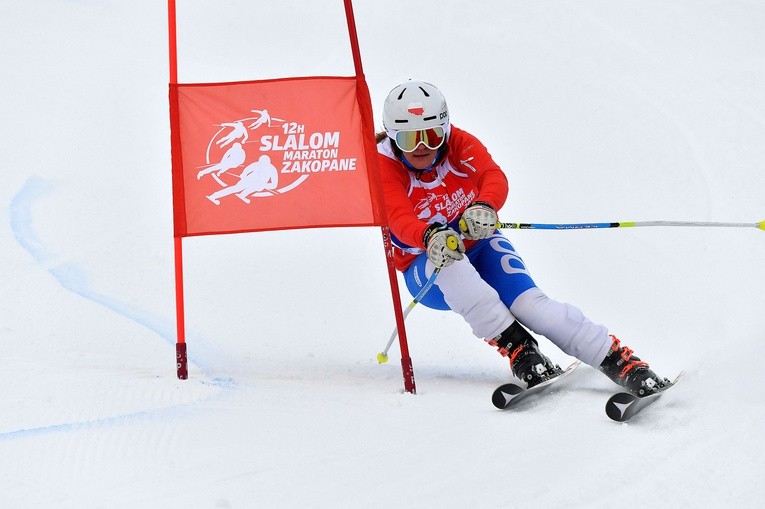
[[478, 221], [443, 245]]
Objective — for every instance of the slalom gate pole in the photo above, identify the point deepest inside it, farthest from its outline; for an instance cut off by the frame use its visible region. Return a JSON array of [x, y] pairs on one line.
[[181, 362], [366, 114], [382, 357], [623, 224], [406, 361], [181, 359]]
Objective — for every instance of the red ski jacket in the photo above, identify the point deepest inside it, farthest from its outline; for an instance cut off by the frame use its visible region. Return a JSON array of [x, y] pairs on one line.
[[414, 200]]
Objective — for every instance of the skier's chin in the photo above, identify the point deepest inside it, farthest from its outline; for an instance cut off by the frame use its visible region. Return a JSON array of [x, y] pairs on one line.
[[421, 160]]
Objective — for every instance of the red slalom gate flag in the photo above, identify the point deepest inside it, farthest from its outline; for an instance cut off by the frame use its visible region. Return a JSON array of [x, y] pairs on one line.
[[270, 155]]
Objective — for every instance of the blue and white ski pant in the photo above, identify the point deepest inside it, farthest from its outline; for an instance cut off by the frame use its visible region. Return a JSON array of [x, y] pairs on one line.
[[492, 287]]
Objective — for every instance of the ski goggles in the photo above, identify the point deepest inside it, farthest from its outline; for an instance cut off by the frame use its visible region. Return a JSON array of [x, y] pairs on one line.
[[408, 141]]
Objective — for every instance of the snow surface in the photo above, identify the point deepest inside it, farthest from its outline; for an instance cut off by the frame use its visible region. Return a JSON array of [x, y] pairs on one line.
[[598, 110]]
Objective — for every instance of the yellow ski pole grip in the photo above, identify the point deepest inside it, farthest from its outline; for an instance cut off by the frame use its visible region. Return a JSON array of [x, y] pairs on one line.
[[463, 225], [452, 243]]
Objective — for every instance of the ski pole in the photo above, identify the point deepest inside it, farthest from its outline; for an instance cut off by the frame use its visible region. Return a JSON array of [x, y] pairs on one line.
[[623, 224], [382, 357]]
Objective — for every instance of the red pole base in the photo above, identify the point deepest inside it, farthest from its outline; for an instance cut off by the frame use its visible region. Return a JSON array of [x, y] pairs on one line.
[[406, 366], [181, 364]]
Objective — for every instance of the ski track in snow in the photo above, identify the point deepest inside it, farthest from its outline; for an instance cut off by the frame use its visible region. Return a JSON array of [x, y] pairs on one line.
[[72, 277]]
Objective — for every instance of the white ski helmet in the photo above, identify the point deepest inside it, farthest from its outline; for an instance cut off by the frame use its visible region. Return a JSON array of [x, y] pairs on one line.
[[415, 105]]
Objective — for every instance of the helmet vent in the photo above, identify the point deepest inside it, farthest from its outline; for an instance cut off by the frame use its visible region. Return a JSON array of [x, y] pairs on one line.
[[429, 118], [425, 92]]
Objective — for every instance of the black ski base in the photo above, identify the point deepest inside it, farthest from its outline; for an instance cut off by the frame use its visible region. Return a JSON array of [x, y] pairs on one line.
[[624, 406], [508, 395]]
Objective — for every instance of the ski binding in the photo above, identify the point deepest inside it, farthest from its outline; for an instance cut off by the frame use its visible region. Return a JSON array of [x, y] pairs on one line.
[[623, 406]]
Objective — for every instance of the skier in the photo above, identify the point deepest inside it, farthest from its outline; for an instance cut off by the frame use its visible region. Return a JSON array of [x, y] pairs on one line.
[[440, 182], [237, 131], [232, 158], [258, 176]]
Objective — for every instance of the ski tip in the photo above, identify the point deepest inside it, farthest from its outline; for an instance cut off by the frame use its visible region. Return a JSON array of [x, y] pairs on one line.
[[618, 406], [504, 394]]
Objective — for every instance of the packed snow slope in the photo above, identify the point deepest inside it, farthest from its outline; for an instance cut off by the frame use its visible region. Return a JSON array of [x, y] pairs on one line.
[[597, 110]]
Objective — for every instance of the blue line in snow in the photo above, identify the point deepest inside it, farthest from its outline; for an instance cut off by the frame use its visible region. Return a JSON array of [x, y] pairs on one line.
[[21, 217], [167, 412], [73, 279], [82, 425], [70, 275]]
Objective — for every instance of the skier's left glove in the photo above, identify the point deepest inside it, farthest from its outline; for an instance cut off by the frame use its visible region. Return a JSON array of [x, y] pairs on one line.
[[478, 221]]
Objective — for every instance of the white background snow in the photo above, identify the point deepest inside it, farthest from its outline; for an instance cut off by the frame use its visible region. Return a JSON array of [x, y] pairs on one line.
[[598, 110]]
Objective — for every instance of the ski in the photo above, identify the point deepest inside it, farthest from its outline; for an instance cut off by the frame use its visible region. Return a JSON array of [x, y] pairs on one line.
[[623, 406], [508, 395]]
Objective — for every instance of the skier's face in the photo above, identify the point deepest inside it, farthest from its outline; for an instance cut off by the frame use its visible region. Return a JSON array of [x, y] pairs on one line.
[[422, 157]]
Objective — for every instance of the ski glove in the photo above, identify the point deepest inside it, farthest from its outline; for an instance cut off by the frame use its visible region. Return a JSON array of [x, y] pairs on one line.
[[443, 245], [478, 221]]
